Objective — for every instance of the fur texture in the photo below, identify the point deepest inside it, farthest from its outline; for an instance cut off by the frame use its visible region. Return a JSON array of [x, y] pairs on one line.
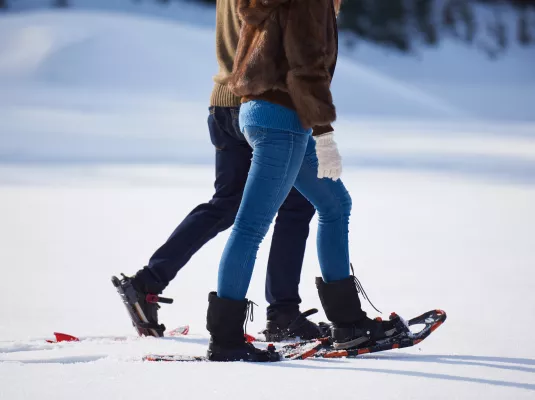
[[290, 46]]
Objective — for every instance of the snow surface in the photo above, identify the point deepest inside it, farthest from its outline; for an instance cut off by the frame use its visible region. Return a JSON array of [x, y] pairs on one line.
[[104, 149], [84, 86], [419, 241]]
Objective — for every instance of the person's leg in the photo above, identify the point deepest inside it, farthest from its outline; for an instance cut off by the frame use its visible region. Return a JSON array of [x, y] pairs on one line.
[[277, 157], [337, 290], [286, 255], [333, 204], [284, 319], [232, 162]]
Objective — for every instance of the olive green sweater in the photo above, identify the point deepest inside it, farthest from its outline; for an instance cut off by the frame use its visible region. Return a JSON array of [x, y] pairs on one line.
[[227, 34]]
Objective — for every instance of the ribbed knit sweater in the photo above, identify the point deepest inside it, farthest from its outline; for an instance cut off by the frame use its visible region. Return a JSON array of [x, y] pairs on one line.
[[227, 35]]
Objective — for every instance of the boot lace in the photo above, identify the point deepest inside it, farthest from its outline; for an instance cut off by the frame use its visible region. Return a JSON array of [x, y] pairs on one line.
[[360, 289], [249, 312]]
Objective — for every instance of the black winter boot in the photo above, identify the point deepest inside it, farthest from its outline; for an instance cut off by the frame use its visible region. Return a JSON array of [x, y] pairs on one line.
[[351, 326], [291, 325], [147, 281], [224, 321]]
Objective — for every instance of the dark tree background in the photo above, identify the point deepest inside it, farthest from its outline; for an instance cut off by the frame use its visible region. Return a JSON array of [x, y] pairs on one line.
[[489, 26], [4, 4], [406, 25]]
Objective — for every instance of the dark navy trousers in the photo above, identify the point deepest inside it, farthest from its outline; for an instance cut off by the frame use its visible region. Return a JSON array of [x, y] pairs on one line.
[[232, 163]]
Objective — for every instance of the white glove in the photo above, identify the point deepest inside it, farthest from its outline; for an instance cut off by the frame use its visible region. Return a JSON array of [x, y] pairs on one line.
[[329, 159]]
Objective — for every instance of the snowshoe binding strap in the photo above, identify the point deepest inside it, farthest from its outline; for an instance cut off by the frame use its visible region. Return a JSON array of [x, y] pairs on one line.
[[150, 298], [399, 323], [310, 312], [300, 320], [148, 325], [298, 327], [325, 328], [154, 298]]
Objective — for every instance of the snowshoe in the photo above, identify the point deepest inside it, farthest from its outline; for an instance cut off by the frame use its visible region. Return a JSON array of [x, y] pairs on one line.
[[430, 320], [142, 307], [323, 348]]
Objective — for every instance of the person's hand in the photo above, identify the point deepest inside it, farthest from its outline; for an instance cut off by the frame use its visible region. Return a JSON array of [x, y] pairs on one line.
[[329, 159]]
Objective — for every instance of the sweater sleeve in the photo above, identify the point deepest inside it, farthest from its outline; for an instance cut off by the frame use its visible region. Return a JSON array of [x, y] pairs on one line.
[[305, 44]]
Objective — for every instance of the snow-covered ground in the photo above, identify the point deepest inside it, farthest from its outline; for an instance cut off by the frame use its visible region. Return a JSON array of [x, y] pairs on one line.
[[418, 241], [104, 149], [96, 87]]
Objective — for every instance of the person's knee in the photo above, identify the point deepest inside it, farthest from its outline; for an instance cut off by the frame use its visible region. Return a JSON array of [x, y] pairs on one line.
[[296, 209], [346, 203], [337, 207], [227, 221], [297, 215], [251, 228], [307, 211], [307, 214], [225, 209]]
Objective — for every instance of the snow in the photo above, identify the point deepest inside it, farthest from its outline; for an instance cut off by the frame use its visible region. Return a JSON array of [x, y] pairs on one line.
[[104, 149], [419, 241], [84, 85]]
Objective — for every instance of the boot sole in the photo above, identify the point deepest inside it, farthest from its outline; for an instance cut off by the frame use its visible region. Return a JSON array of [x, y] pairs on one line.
[[274, 357]]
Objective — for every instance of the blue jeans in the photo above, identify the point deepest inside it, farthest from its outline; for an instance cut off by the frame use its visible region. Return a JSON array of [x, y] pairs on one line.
[[232, 162], [282, 159]]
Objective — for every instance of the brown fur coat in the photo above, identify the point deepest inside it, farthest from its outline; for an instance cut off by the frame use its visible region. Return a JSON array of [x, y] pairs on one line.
[[286, 54]]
